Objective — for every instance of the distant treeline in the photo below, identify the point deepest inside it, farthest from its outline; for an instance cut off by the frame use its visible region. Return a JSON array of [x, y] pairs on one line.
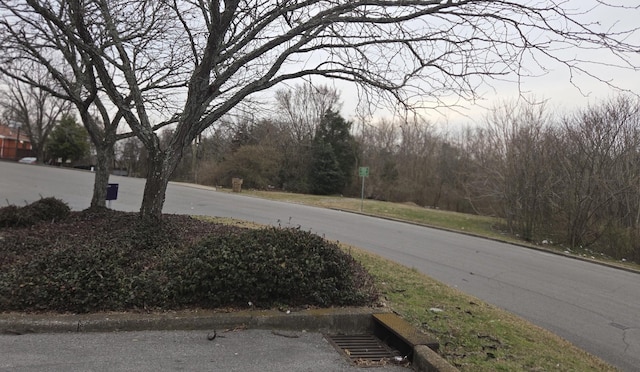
[[571, 179]]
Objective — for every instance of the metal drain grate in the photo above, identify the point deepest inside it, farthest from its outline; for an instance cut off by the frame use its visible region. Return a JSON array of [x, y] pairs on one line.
[[363, 349]]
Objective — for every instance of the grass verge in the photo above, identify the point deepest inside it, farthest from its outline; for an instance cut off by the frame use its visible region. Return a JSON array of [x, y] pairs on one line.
[[483, 226], [474, 336]]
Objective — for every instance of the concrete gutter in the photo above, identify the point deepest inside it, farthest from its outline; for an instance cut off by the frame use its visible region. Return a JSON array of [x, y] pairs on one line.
[[328, 321]]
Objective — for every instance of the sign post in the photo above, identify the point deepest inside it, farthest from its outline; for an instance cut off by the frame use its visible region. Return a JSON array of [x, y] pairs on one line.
[[363, 172]]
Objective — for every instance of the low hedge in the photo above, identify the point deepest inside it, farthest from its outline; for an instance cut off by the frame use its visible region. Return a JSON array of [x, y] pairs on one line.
[[113, 261], [267, 267]]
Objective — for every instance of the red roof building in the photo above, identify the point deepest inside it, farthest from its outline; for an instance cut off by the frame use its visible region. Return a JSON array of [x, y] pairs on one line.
[[14, 143]]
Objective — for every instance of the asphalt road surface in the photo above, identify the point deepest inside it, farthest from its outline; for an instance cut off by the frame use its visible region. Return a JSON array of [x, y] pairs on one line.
[[595, 307], [152, 351]]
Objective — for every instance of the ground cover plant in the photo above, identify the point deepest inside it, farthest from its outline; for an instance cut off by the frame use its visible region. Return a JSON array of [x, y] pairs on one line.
[[103, 260]]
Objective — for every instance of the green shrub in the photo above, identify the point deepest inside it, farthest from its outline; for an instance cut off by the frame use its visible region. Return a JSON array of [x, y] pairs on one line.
[[267, 267], [66, 280], [113, 261], [45, 209], [8, 216]]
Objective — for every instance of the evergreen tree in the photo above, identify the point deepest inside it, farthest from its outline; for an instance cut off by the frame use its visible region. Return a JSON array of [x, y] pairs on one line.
[[333, 155], [68, 140]]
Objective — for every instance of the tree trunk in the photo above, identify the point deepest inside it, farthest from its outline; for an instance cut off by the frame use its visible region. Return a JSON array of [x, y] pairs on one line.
[[160, 167], [39, 150], [104, 159]]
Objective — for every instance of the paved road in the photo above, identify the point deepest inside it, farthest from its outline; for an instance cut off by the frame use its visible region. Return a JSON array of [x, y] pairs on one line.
[[595, 307], [246, 351]]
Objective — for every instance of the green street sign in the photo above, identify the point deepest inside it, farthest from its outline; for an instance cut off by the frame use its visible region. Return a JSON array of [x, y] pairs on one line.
[[363, 171]]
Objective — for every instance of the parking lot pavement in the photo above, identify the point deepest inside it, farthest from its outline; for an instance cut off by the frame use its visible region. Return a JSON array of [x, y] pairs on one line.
[[239, 350]]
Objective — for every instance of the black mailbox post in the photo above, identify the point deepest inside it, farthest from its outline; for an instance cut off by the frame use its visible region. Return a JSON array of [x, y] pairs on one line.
[[112, 191]]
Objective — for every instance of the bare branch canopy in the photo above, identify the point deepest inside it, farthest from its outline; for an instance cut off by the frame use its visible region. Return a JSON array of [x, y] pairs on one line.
[[191, 62]]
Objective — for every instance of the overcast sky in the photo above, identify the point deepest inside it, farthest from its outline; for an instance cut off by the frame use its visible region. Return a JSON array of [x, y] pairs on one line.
[[554, 85]]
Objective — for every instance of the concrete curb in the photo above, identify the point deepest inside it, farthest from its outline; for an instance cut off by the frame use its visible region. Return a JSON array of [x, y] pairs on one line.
[[424, 348], [317, 320], [334, 320], [427, 360]]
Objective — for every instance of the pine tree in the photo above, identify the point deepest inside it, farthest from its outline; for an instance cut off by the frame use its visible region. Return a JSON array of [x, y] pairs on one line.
[[68, 140], [333, 155]]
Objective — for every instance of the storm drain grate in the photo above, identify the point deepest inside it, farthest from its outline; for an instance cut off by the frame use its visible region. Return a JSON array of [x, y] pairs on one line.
[[363, 349]]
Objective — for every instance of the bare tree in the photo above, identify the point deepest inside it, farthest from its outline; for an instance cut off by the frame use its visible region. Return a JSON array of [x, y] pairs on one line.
[[219, 53], [299, 113], [411, 161], [303, 107], [515, 167], [379, 144], [573, 179], [27, 41], [600, 170], [35, 110]]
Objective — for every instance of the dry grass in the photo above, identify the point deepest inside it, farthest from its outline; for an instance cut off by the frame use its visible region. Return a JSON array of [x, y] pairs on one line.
[[486, 226], [474, 336], [482, 226]]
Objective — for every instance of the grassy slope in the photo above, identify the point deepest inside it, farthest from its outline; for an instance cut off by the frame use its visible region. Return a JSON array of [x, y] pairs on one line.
[[483, 226], [474, 336], [486, 226]]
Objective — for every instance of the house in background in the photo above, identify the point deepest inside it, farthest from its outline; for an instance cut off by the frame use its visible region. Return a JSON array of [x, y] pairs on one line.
[[14, 143]]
